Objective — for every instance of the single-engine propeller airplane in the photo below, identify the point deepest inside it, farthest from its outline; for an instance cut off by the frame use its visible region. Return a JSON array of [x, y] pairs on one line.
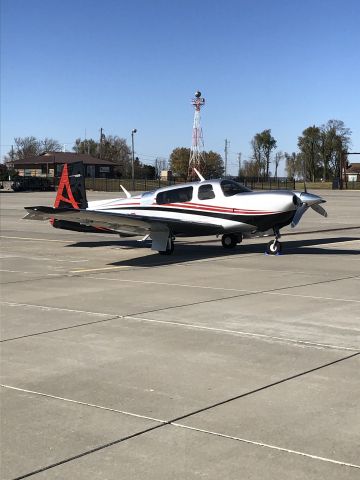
[[206, 207]]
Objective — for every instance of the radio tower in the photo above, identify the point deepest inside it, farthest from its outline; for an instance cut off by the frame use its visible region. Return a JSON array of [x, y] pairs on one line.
[[197, 159]]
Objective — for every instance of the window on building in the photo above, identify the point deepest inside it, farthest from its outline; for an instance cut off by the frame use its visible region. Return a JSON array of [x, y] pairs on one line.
[[206, 192], [44, 169], [230, 188], [176, 195]]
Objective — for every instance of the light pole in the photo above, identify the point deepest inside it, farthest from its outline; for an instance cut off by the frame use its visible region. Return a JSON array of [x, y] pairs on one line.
[[132, 154]]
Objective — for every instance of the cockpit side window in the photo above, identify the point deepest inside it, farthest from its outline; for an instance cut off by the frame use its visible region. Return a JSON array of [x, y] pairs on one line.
[[206, 192], [230, 188], [176, 195]]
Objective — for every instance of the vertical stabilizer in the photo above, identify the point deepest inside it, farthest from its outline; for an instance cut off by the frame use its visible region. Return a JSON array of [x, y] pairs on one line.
[[71, 192]]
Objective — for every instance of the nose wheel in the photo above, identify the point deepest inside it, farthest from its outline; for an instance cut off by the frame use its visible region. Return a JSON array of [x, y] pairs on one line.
[[274, 247]]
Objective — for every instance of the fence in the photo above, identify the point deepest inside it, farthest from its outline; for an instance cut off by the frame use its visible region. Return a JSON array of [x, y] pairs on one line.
[[142, 185], [279, 183], [113, 184]]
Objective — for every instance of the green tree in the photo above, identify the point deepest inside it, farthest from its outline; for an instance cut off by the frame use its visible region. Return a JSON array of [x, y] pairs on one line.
[[142, 170], [214, 165], [263, 144], [179, 161], [88, 146], [113, 148], [309, 144], [335, 140]]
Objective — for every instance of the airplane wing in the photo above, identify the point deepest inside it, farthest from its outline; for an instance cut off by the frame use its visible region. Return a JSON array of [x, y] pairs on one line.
[[121, 222]]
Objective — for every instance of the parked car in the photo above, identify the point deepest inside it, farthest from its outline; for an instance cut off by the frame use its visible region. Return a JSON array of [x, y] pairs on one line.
[[23, 184]]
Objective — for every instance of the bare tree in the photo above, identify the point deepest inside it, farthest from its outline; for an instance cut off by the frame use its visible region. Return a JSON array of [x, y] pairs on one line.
[[278, 157]]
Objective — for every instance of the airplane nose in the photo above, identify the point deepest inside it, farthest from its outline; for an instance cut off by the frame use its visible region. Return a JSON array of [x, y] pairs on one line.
[[310, 198]]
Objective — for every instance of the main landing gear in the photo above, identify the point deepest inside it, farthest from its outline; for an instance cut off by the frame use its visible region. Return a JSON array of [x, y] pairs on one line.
[[230, 240], [169, 247], [274, 247]]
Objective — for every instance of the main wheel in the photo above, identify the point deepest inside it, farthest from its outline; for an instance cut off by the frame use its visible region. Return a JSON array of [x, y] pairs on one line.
[[229, 240], [169, 247], [273, 247]]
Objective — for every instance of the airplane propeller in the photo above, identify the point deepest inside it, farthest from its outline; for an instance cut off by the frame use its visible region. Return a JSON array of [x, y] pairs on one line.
[[319, 209], [308, 200]]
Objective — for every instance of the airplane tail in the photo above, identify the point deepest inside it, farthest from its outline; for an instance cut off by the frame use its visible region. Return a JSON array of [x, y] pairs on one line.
[[71, 195], [71, 191]]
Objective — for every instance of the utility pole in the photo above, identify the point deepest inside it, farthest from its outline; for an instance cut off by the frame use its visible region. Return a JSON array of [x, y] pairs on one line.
[[101, 140], [239, 161], [133, 158], [227, 143]]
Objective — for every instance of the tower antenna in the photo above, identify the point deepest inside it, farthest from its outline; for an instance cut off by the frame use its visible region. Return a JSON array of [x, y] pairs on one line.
[[197, 159]]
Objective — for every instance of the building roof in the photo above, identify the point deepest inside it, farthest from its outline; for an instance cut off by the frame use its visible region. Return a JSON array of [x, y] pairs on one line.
[[62, 157], [355, 168]]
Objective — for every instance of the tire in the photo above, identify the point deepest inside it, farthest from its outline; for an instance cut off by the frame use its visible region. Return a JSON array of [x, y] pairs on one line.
[[229, 240], [273, 247]]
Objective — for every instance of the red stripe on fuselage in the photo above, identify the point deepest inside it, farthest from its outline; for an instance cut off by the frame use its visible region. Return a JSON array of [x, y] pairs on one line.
[[201, 207]]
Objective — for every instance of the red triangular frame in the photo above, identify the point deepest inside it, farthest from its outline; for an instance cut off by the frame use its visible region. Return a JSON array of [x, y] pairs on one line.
[[65, 183]]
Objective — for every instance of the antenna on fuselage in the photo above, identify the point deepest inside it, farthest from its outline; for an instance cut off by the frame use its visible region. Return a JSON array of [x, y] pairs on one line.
[[202, 179], [128, 195]]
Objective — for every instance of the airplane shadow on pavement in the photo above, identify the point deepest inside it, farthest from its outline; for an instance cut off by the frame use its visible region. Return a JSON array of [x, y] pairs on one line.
[[207, 249]]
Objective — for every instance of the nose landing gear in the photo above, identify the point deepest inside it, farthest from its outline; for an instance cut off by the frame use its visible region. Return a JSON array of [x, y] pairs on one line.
[[274, 247]]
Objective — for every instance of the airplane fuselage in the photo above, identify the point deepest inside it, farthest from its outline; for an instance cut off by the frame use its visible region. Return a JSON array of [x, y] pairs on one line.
[[226, 211], [207, 207]]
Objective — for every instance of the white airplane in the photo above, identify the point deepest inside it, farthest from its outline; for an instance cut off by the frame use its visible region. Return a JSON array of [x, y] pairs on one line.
[[206, 207]]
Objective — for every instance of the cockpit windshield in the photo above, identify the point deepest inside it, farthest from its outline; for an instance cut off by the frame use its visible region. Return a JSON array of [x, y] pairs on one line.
[[147, 194], [230, 188]]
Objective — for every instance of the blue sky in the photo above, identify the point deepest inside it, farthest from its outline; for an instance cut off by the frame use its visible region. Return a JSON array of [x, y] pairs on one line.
[[67, 66]]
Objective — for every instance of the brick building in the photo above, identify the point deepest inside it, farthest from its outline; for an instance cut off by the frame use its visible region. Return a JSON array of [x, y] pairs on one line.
[[49, 164]]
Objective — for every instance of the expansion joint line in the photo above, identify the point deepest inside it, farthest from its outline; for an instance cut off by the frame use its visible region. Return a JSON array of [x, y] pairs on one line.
[[175, 422]]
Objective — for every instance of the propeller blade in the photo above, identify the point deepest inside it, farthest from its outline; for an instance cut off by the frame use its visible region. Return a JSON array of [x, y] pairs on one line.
[[299, 213], [319, 210]]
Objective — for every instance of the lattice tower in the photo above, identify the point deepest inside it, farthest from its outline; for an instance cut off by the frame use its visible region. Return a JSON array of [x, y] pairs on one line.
[[197, 159]]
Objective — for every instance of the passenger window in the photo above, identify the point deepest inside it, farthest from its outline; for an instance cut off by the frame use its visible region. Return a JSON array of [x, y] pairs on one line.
[[206, 192], [176, 195]]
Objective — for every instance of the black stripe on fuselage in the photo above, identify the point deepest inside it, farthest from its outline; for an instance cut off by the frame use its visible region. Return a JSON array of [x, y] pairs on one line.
[[261, 222]]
